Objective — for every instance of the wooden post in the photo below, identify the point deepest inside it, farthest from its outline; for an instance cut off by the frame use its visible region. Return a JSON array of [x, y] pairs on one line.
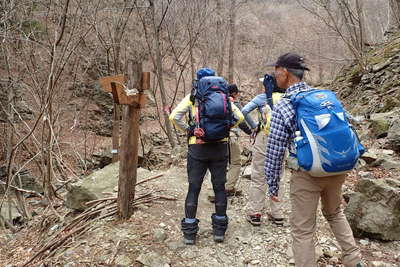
[[130, 140], [106, 84], [115, 132], [128, 150]]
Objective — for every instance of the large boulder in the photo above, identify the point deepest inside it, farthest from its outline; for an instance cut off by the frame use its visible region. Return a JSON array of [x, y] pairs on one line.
[[380, 123], [394, 135], [381, 157], [374, 209], [10, 213], [100, 184], [28, 182]]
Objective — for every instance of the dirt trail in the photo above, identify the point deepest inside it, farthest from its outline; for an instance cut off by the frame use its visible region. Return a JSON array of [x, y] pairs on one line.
[[152, 237]]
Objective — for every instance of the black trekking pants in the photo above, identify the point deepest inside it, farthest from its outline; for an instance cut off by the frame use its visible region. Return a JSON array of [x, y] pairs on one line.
[[201, 157]]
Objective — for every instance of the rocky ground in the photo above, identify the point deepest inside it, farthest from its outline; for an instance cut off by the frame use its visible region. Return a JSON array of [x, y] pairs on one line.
[[152, 237]]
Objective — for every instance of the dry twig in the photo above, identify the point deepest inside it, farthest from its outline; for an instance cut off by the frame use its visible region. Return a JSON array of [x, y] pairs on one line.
[[98, 210]]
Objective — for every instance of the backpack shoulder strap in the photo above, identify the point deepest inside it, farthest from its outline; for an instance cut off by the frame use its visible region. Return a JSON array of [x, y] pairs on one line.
[[192, 119], [269, 100], [230, 110], [193, 92]]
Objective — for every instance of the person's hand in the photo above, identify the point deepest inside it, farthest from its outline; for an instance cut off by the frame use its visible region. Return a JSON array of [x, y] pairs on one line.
[[190, 130], [275, 198], [253, 134]]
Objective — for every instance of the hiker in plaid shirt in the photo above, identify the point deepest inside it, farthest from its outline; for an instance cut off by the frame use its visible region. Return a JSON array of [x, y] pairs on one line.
[[305, 190]]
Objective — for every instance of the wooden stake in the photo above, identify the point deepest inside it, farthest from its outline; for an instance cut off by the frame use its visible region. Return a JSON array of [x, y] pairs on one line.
[[127, 152], [129, 149], [107, 85], [115, 131]]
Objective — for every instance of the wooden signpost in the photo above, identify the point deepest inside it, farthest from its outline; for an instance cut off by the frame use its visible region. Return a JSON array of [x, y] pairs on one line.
[[128, 153], [119, 81]]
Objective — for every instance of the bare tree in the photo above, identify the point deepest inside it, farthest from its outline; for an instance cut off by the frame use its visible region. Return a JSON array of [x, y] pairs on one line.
[[232, 40], [393, 16], [220, 33], [152, 25], [346, 19], [42, 47]]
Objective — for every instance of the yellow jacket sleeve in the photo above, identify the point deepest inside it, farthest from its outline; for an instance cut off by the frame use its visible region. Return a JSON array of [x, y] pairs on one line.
[[237, 114], [178, 114]]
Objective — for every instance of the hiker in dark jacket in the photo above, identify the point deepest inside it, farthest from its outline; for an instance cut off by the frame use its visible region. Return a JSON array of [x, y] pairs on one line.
[[235, 163], [203, 156]]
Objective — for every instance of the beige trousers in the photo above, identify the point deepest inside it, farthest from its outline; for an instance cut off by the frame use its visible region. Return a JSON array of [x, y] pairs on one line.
[[305, 193], [235, 164], [234, 168], [258, 186]]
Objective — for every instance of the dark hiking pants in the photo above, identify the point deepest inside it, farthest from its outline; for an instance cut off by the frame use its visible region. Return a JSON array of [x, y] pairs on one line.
[[214, 157]]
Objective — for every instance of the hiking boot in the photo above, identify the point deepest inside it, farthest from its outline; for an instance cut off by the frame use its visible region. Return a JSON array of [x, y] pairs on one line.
[[189, 231], [233, 192], [274, 220], [254, 219], [219, 238], [189, 239], [219, 227]]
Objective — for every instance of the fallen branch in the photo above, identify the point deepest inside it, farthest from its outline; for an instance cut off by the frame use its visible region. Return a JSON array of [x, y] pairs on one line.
[[50, 246], [150, 178], [98, 210], [111, 261], [100, 200], [23, 190], [167, 198]]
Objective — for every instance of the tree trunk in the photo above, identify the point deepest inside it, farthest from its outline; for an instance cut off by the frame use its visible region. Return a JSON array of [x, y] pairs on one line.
[[363, 39], [159, 73], [232, 20], [192, 69], [320, 65], [162, 92], [394, 16], [221, 44], [10, 132]]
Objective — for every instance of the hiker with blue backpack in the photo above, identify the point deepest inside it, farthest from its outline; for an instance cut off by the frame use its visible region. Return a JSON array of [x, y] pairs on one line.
[[211, 116], [235, 162], [314, 124], [263, 103]]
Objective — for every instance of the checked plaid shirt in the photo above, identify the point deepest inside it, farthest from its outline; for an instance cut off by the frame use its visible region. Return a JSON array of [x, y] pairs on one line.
[[282, 131]]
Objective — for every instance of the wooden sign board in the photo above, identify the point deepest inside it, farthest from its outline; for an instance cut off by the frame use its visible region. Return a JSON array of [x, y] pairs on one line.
[[121, 98], [105, 82], [115, 85]]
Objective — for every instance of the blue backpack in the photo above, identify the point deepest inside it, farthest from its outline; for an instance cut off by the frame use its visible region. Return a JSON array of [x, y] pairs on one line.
[[214, 108], [326, 144]]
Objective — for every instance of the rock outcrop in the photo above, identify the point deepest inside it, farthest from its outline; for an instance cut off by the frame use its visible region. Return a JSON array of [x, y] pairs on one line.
[[100, 184], [376, 89], [28, 182], [373, 209]]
